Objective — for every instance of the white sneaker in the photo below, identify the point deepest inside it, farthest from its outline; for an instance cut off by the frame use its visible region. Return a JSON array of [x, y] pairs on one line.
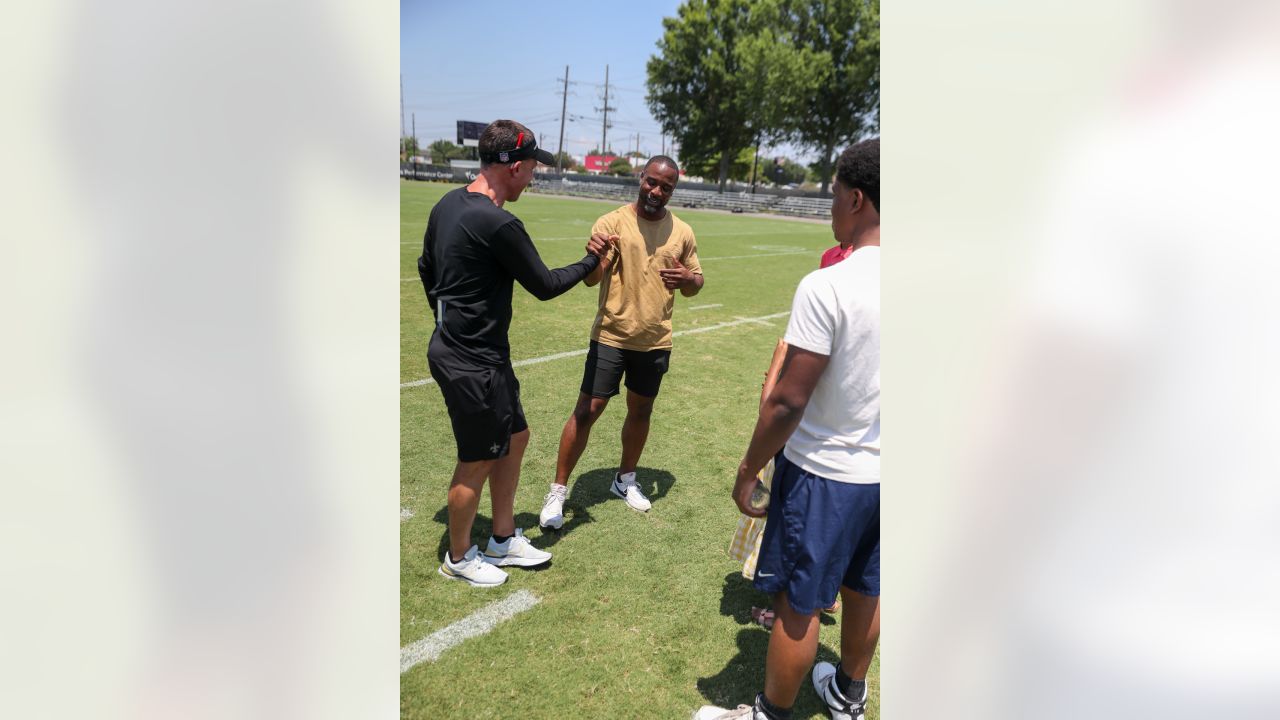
[[472, 569], [624, 486], [742, 712], [552, 515], [515, 551], [839, 707]]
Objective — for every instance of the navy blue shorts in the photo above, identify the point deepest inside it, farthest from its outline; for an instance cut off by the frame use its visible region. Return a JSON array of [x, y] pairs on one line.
[[820, 534]]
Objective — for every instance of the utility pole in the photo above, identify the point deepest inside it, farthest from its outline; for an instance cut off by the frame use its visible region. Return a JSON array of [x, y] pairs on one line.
[[604, 129], [564, 103], [664, 143], [402, 112], [414, 117], [754, 163]]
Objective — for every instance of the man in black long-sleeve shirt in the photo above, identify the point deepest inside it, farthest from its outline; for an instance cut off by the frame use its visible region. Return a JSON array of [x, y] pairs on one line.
[[472, 254]]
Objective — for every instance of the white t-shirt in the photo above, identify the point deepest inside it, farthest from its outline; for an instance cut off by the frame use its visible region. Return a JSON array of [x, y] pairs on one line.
[[836, 313]]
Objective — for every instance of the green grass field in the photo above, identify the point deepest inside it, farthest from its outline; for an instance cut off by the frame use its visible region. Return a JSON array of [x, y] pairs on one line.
[[640, 615]]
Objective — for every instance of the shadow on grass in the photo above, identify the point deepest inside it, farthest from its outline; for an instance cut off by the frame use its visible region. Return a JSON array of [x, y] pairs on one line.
[[743, 676], [589, 489], [592, 488], [739, 596]]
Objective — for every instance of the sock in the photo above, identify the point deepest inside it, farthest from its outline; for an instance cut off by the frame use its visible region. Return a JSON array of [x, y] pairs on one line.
[[850, 688], [454, 560], [771, 711], [501, 538]]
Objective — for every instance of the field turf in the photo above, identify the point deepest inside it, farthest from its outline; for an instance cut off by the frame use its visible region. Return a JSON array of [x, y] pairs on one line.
[[639, 615]]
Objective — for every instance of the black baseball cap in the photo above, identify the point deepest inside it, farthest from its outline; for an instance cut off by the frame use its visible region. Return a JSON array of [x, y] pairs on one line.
[[526, 147]]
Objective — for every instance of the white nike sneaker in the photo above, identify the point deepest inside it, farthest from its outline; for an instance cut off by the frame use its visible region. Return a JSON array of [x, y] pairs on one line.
[[472, 569], [515, 551], [839, 707], [624, 486], [552, 515], [742, 712]]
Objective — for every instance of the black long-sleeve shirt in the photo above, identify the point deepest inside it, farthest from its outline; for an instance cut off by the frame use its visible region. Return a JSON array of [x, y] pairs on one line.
[[471, 253]]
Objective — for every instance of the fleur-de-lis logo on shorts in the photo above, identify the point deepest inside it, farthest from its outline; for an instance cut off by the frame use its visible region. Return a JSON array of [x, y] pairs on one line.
[[494, 448]]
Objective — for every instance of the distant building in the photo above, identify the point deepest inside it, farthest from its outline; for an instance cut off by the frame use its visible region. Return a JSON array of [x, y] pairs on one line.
[[597, 164]]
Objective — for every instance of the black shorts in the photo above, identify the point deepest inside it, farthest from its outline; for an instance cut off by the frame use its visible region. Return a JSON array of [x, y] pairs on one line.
[[606, 365], [484, 407]]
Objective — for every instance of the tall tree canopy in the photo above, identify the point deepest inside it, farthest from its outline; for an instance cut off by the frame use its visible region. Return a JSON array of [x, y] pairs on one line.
[[844, 105], [732, 73], [705, 82]]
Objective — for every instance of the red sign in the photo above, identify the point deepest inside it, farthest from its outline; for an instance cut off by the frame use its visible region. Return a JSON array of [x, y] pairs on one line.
[[599, 163]]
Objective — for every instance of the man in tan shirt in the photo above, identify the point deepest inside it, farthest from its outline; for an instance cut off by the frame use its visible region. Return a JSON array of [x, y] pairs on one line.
[[653, 255]]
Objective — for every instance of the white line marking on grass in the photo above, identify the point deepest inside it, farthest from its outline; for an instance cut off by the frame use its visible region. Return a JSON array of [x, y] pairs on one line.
[[405, 514], [431, 647], [766, 323], [574, 353], [723, 257], [583, 237], [756, 255], [707, 307], [731, 323]]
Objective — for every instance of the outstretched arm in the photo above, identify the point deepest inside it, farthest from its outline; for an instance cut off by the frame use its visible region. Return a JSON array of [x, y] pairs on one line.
[[517, 254], [606, 260]]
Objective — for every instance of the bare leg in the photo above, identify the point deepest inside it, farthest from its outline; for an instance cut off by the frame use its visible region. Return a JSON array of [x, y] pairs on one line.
[[573, 440], [793, 645], [464, 498], [635, 430], [859, 632], [503, 480]]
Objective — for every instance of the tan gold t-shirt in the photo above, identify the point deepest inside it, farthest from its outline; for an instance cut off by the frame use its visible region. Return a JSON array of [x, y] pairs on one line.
[[635, 307]]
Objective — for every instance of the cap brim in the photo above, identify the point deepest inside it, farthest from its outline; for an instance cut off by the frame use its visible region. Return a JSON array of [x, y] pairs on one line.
[[544, 157]]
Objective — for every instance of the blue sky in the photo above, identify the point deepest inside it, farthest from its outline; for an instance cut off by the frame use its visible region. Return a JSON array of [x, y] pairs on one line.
[[486, 60]]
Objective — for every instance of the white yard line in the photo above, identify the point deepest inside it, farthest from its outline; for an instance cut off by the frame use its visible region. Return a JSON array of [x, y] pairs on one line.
[[731, 323], [707, 307], [574, 353], [431, 647], [583, 237], [739, 257], [722, 257]]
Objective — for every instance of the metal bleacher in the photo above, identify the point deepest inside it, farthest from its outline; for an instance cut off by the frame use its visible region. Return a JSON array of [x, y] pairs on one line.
[[804, 207]]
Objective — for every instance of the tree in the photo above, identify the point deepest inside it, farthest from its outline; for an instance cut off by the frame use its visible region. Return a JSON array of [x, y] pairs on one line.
[[844, 104], [720, 77], [819, 173], [621, 166], [739, 167], [785, 171], [564, 160], [408, 147], [442, 151]]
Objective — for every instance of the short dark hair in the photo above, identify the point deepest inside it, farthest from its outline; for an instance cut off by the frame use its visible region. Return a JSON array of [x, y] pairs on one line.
[[665, 161], [499, 135], [859, 169]]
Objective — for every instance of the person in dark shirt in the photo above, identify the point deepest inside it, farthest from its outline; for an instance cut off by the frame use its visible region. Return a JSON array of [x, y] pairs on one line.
[[473, 253]]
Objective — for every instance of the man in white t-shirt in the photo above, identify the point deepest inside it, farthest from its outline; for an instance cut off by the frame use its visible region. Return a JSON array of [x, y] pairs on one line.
[[823, 533]]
